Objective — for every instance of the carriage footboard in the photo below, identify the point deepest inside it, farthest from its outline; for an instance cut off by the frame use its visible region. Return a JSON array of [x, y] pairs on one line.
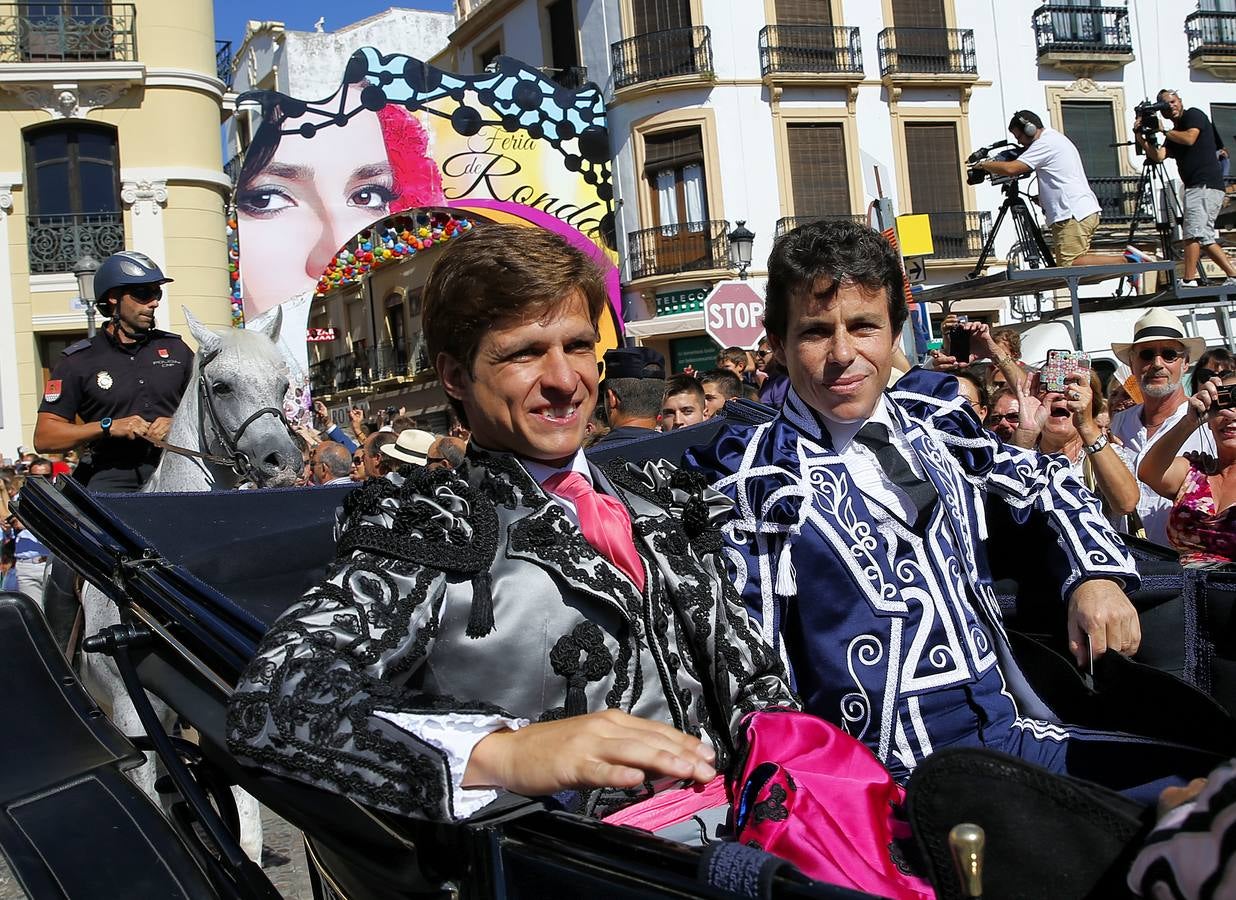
[[71, 824]]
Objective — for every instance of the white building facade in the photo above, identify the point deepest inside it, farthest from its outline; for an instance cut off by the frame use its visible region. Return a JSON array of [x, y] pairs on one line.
[[778, 111]]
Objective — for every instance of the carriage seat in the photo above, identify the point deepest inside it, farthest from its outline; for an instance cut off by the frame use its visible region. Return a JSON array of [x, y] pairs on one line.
[[71, 824]]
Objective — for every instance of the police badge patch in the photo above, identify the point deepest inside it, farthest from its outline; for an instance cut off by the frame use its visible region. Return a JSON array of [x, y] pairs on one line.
[[51, 391], [103, 380]]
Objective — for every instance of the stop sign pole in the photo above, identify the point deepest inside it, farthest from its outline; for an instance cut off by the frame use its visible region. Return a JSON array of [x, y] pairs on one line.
[[734, 314]]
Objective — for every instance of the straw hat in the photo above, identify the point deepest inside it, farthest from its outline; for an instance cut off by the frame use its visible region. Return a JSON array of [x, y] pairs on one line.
[[412, 446], [1159, 325]]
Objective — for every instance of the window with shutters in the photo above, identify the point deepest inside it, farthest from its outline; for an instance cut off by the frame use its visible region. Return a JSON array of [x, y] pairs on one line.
[[803, 12], [1223, 115], [933, 164], [73, 201], [819, 179], [674, 167], [1091, 126], [921, 37], [648, 16]]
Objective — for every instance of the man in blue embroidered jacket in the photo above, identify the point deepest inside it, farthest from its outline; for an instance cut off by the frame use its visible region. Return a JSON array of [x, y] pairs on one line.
[[858, 538]]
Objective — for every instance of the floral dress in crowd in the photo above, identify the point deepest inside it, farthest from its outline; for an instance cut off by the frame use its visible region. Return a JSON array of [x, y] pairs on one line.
[[1203, 535]]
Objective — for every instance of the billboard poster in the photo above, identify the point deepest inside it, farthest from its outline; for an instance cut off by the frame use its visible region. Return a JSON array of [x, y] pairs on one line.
[[403, 137]]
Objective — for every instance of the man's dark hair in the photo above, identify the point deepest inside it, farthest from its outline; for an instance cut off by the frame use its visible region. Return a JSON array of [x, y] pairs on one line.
[[1021, 117], [686, 384], [40, 461], [379, 439], [728, 384], [750, 392], [402, 423], [979, 382], [1216, 355], [736, 355], [638, 398], [835, 249], [495, 276]]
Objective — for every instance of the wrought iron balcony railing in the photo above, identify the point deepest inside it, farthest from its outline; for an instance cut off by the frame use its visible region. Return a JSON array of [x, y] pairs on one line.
[[68, 32], [927, 51], [787, 224], [1121, 198], [223, 62], [391, 361], [688, 247], [662, 54], [810, 49], [55, 243], [1211, 34], [959, 235], [1082, 29], [322, 377], [570, 77]]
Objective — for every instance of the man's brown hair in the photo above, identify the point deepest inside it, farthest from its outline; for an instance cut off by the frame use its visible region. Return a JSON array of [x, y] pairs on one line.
[[735, 355], [498, 275]]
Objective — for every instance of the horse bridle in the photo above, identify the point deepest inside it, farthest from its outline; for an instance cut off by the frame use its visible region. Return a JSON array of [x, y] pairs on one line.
[[235, 458]]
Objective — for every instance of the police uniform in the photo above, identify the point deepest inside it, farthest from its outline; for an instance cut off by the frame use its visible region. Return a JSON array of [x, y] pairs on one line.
[[100, 378]]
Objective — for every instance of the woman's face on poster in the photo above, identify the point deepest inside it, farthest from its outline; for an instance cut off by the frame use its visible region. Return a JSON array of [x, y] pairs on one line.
[[313, 196]]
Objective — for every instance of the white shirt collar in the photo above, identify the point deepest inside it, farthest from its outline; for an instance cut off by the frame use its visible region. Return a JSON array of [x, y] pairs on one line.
[[540, 471], [842, 433]]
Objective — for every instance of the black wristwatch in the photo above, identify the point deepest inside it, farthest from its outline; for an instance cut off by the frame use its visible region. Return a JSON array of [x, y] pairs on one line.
[[106, 425]]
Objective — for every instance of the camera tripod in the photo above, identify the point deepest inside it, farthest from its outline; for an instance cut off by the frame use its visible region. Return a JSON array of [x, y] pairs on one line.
[[1029, 235], [1153, 183]]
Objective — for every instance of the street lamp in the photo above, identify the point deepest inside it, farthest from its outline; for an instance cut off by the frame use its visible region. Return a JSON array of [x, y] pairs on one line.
[[83, 271], [741, 239]]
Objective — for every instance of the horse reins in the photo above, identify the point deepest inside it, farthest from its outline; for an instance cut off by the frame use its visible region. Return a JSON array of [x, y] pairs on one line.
[[236, 459]]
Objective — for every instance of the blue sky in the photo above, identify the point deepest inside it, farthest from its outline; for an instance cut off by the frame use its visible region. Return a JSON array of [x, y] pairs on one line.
[[231, 15]]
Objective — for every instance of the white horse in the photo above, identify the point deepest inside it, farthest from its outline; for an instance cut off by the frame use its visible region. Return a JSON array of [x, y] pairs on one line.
[[232, 406]]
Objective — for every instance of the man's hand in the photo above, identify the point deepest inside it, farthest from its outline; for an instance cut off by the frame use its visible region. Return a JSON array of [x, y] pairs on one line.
[[1100, 609], [320, 410], [357, 417], [605, 749], [129, 427], [158, 429]]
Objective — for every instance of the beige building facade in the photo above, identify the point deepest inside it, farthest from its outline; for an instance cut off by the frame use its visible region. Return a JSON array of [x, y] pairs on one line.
[[109, 140]]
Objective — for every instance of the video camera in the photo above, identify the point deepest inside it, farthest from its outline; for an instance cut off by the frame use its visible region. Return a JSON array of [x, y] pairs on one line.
[[1145, 124], [1008, 152]]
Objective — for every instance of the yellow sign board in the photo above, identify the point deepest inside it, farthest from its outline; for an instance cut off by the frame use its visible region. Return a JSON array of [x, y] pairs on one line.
[[914, 235]]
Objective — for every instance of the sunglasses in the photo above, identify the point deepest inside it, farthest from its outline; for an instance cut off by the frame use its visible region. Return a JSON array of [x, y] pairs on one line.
[[1168, 354], [997, 418], [145, 293], [358, 460]]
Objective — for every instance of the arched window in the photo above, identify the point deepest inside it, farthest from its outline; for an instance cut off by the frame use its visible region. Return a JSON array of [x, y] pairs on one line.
[[72, 194]]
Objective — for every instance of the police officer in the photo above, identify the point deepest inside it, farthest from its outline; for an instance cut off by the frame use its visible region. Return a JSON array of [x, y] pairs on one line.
[[118, 390]]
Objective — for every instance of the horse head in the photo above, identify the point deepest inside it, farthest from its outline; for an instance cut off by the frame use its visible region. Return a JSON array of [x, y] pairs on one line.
[[241, 379]]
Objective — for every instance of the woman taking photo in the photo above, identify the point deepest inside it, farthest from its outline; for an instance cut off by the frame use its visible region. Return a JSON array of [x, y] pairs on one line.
[[1202, 523], [1065, 424]]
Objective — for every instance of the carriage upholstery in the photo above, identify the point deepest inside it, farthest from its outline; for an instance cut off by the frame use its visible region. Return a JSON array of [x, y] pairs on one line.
[[63, 758]]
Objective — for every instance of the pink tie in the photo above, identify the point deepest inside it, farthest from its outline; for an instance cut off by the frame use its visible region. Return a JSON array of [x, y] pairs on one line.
[[603, 520]]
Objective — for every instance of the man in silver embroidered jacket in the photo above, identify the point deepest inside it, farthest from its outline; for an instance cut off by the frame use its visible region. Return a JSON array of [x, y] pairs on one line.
[[860, 529], [525, 587]]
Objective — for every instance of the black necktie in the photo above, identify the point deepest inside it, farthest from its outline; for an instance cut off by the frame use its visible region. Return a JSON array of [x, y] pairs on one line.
[[922, 494]]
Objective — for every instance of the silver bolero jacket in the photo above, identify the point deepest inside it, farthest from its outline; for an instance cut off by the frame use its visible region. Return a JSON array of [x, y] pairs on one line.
[[471, 593]]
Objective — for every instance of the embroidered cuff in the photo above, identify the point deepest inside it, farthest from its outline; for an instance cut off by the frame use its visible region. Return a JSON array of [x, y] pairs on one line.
[[456, 735]]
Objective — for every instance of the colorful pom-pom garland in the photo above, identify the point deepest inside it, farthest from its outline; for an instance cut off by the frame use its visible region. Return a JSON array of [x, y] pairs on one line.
[[389, 242]]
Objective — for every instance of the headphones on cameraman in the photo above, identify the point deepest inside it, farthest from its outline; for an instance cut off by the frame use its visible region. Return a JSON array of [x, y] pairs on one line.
[[1028, 128]]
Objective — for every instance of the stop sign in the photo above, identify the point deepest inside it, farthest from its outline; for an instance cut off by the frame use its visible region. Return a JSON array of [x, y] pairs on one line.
[[734, 315]]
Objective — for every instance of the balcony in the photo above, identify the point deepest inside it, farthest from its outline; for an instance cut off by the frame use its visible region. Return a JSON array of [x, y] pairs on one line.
[[679, 54], [570, 77], [1212, 43], [930, 56], [959, 235], [48, 32], [322, 377], [786, 224], [811, 53], [1083, 40], [223, 62], [55, 243], [669, 250]]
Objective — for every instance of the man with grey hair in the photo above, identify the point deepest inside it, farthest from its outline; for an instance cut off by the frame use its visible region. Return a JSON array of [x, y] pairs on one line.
[[632, 390], [330, 463], [1158, 356]]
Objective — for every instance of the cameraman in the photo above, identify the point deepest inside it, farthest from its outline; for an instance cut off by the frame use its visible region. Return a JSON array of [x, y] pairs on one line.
[[1069, 205], [1191, 142]]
